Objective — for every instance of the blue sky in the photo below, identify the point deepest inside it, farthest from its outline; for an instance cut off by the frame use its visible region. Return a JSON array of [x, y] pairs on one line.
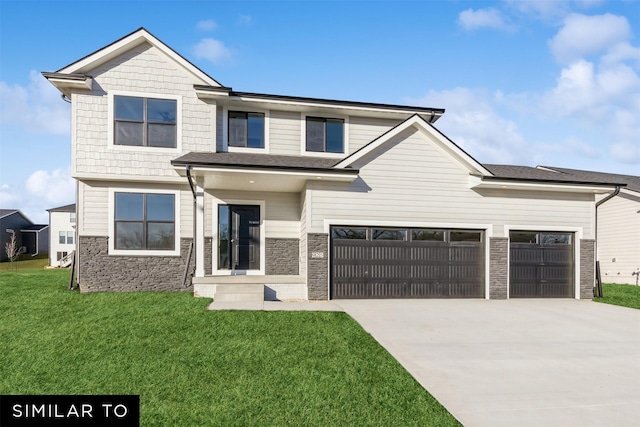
[[525, 82]]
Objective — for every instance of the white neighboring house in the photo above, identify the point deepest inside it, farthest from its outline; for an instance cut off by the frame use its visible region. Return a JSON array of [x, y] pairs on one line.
[[186, 184], [62, 226], [618, 225]]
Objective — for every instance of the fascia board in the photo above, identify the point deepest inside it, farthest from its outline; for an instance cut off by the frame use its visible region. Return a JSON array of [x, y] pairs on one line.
[[477, 182]]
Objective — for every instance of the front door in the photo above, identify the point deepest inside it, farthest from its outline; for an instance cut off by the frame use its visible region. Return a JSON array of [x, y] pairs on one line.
[[244, 247]]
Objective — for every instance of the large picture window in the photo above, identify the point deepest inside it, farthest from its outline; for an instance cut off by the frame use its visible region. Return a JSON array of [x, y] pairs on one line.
[[145, 121], [325, 135], [246, 129], [144, 221]]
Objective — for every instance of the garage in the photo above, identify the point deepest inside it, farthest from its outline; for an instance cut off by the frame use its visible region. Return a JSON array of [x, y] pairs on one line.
[[541, 264], [382, 262]]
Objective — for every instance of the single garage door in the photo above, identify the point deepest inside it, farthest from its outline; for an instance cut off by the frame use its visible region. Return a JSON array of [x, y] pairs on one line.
[[541, 264], [372, 262]]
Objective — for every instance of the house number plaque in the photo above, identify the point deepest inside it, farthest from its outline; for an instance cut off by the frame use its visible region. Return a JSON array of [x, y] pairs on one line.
[[317, 254]]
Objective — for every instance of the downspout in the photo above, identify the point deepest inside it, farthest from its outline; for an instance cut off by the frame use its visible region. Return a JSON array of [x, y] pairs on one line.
[[598, 204], [193, 191]]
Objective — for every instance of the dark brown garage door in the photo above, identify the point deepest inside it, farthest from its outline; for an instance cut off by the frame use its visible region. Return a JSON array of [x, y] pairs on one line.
[[370, 262], [541, 265]]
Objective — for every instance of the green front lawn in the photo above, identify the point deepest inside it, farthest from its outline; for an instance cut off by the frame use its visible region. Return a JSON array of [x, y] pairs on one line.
[[624, 295], [193, 367], [25, 262]]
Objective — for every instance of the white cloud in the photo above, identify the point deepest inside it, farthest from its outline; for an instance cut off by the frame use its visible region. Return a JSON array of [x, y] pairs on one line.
[[581, 36], [37, 107], [54, 188], [9, 198], [206, 25], [474, 125], [482, 18], [213, 51]]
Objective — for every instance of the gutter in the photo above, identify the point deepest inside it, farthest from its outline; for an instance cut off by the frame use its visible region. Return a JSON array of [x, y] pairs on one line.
[[609, 197]]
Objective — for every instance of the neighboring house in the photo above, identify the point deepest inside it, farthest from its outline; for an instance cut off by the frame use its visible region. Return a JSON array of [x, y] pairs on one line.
[[618, 225], [62, 227], [32, 238], [187, 184]]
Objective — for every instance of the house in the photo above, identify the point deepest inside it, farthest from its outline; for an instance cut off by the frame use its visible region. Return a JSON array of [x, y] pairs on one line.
[[33, 239], [617, 225], [62, 224], [184, 183]]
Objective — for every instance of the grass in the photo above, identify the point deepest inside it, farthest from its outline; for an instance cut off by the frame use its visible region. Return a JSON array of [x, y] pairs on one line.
[[624, 295], [26, 262], [193, 367]]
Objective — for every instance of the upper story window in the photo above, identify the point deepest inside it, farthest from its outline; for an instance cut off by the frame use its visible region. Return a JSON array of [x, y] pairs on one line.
[[144, 221], [145, 121], [246, 129], [325, 135]]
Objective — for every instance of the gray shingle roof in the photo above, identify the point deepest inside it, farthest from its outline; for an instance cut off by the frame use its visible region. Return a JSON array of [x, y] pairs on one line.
[[5, 212], [259, 161], [555, 175], [632, 181]]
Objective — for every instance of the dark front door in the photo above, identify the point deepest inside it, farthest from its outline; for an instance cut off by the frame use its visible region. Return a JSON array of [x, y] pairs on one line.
[[245, 237]]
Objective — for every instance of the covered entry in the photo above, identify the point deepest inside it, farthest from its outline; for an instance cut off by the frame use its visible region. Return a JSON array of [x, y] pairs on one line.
[[372, 262], [541, 264]]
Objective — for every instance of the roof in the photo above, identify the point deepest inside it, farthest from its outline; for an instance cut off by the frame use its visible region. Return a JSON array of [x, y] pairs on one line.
[[35, 227], [632, 182], [7, 212], [528, 173], [258, 161], [65, 208], [435, 113]]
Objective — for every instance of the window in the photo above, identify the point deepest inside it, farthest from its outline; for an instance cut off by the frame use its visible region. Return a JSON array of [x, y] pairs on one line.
[[349, 233], [60, 255], [145, 121], [246, 129], [62, 237], [465, 236], [426, 235], [555, 238], [523, 237], [70, 237], [72, 217], [389, 234], [325, 135], [144, 221]]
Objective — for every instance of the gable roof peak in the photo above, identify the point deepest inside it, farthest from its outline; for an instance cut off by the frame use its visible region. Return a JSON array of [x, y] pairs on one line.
[[128, 42]]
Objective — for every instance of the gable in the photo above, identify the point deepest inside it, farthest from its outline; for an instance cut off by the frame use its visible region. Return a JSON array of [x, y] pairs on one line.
[[432, 137], [123, 47]]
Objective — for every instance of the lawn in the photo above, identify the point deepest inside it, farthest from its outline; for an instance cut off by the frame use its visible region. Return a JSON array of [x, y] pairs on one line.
[[26, 262], [624, 295], [193, 367]]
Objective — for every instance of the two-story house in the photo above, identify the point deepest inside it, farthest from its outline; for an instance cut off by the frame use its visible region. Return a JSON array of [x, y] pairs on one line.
[[62, 227], [184, 183]]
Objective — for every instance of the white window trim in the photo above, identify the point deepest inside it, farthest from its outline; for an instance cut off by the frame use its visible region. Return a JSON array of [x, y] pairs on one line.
[[303, 136], [487, 228], [111, 145], [578, 235], [143, 252], [214, 242], [225, 131]]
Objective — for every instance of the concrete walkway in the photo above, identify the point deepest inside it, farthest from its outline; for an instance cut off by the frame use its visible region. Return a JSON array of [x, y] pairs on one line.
[[275, 305], [516, 362]]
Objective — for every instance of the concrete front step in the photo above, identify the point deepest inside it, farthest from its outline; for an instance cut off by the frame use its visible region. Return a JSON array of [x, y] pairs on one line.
[[239, 292]]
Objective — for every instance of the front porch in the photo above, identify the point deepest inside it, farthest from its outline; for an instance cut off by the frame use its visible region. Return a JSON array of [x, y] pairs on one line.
[[249, 287]]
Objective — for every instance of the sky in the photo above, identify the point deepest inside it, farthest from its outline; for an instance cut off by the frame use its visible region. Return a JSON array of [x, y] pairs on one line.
[[523, 82]]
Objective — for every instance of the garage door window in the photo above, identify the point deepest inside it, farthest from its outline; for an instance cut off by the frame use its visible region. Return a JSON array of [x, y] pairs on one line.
[[466, 236], [555, 238], [389, 234], [427, 235], [349, 233], [523, 237]]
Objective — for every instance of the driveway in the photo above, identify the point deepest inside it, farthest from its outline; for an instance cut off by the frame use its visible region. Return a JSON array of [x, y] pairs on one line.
[[515, 362]]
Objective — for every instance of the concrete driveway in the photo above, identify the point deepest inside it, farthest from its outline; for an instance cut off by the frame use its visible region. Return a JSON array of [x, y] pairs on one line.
[[516, 362]]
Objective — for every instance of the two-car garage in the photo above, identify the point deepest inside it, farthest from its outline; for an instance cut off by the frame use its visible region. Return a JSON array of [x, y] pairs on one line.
[[385, 262]]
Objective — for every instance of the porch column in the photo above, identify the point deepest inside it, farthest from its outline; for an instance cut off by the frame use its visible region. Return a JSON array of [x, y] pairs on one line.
[[199, 228]]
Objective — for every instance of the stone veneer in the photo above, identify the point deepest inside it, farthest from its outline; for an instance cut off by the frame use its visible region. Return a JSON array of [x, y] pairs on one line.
[[282, 257], [99, 271], [208, 255], [498, 267], [587, 267], [318, 266]]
